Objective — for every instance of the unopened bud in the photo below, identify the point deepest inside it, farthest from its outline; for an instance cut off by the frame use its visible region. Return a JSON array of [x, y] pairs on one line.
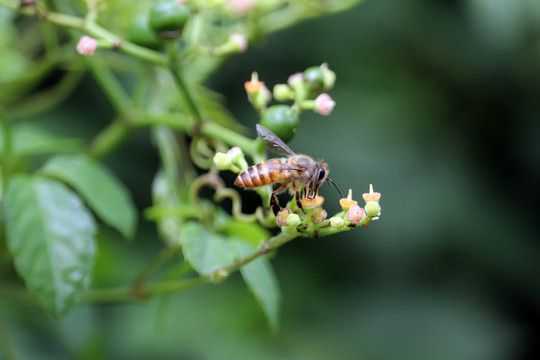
[[239, 42], [324, 104], [319, 214], [283, 92], [282, 215], [293, 220], [329, 77], [222, 161], [337, 222], [87, 46], [219, 276], [373, 208]]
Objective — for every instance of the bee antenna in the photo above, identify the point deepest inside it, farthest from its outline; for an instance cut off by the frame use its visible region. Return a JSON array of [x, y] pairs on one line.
[[337, 188]]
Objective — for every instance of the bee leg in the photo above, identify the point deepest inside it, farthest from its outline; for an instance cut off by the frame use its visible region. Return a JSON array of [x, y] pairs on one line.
[[273, 199], [274, 204], [298, 203]]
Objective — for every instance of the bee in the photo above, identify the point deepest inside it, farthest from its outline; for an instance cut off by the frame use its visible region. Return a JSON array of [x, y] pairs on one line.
[[299, 172]]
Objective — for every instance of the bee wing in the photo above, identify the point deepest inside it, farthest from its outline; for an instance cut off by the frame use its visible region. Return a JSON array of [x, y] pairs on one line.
[[273, 142]]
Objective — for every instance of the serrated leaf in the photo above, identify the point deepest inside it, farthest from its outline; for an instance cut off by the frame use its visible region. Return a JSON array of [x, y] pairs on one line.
[[102, 191], [260, 279], [50, 234], [203, 249]]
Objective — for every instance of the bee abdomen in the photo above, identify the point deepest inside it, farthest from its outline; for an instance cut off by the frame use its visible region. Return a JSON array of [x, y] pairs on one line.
[[257, 175]]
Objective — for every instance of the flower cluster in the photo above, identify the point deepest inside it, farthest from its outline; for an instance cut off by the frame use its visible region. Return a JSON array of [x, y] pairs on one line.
[[313, 217], [307, 91]]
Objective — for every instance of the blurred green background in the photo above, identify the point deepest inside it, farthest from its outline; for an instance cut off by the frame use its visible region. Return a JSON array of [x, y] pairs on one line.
[[438, 106]]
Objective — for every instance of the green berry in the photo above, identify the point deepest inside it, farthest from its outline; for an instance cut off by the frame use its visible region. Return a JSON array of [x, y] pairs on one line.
[[140, 32], [281, 120], [314, 76], [372, 208], [168, 17]]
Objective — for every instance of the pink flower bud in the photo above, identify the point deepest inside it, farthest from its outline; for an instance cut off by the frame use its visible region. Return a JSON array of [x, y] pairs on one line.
[[235, 152], [240, 41], [355, 214], [282, 215], [319, 214], [86, 46], [242, 7], [295, 79], [324, 104]]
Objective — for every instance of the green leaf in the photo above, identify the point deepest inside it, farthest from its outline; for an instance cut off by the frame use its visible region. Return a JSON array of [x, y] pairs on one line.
[[203, 249], [250, 232], [31, 139], [260, 279], [101, 190], [50, 234]]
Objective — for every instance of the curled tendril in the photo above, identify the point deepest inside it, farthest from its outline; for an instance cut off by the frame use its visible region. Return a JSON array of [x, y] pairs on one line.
[[228, 193], [202, 151], [209, 179]]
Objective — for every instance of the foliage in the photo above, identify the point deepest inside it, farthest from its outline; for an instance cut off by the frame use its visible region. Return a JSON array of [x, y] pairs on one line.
[[53, 185]]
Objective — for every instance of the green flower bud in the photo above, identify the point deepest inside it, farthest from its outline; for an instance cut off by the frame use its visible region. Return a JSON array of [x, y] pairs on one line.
[[222, 161], [372, 208], [293, 220], [329, 77], [337, 222], [219, 276], [283, 92]]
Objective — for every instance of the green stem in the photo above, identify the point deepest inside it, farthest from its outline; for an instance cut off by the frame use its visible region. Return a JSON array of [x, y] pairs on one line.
[[179, 79], [155, 264], [90, 27], [187, 124], [127, 293], [108, 139], [110, 86]]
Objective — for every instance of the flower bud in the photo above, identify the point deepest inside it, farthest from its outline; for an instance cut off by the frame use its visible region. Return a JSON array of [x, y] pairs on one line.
[[373, 208], [242, 7], [283, 92], [222, 161], [329, 77], [293, 220], [239, 42], [295, 79], [282, 215], [87, 46], [337, 222], [324, 104], [219, 276], [319, 214], [355, 214]]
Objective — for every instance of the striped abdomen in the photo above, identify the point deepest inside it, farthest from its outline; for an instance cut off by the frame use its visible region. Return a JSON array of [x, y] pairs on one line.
[[266, 173]]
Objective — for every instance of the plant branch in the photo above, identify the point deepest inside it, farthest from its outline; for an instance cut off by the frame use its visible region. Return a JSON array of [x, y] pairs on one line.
[[90, 27]]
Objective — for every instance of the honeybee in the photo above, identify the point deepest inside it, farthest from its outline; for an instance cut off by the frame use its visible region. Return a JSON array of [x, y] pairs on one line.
[[300, 172]]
